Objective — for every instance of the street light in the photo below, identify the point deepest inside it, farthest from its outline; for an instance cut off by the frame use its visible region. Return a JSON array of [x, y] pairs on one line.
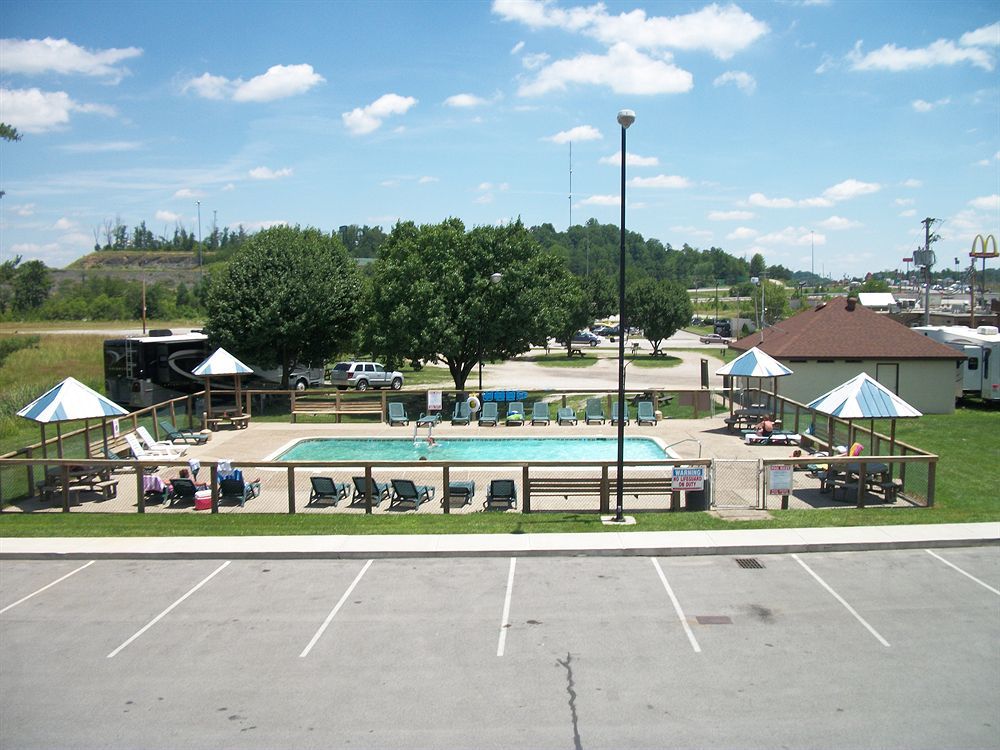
[[625, 118]]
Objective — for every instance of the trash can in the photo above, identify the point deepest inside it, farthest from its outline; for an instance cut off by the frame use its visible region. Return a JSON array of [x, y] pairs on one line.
[[697, 500]]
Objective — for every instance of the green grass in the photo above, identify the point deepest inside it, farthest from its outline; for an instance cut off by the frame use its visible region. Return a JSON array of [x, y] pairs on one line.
[[648, 360], [560, 359]]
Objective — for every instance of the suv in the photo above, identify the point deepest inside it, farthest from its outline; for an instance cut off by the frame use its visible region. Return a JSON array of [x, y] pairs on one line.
[[586, 337], [364, 375]]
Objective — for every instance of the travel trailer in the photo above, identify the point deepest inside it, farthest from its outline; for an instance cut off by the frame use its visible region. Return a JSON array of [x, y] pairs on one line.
[[979, 373]]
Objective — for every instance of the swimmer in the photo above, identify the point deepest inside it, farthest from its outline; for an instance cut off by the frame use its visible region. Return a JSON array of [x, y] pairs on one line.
[[431, 442]]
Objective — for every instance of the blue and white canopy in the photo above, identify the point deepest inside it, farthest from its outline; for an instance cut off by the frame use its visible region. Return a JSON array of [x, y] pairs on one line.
[[863, 397], [754, 363], [221, 363], [69, 400]]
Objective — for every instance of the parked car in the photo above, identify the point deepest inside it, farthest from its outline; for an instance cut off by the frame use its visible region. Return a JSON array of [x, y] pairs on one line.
[[583, 338], [300, 378], [364, 375], [714, 338]]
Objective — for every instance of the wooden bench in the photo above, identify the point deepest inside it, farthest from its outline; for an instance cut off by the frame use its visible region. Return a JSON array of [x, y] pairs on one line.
[[338, 408], [595, 486]]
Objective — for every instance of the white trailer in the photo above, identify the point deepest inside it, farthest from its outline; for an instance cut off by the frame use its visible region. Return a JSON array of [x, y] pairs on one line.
[[979, 372]]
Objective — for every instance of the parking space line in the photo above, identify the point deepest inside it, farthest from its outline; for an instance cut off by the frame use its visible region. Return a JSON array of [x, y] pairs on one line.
[[167, 611], [840, 599], [677, 607], [950, 565], [25, 598], [505, 617], [333, 612]]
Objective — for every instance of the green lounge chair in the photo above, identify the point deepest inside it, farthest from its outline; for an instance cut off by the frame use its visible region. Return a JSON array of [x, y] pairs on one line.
[[460, 493], [489, 414], [325, 489], [181, 490], [595, 412], [566, 416], [405, 491], [235, 488], [614, 413], [182, 436], [461, 414], [502, 495], [380, 491], [515, 414], [646, 414], [540, 413], [397, 414]]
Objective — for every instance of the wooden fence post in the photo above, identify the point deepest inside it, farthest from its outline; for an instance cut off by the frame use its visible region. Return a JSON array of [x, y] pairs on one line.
[[214, 478], [291, 490], [526, 503], [140, 490], [445, 477], [369, 489]]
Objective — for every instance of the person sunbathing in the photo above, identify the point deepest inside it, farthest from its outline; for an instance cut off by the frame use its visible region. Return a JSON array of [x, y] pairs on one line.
[[765, 426]]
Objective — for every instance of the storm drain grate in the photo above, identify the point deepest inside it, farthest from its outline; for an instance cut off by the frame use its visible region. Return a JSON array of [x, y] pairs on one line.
[[749, 562]]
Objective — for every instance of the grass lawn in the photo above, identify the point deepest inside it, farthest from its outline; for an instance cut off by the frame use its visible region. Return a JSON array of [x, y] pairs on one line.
[[560, 359]]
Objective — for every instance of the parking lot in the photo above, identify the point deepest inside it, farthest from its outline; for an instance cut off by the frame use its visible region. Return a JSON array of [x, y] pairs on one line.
[[848, 649]]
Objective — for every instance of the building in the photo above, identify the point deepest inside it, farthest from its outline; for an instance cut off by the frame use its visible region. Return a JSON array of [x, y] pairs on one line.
[[828, 344]]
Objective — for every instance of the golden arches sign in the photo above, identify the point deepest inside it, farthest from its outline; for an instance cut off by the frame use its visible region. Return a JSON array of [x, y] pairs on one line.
[[984, 243]]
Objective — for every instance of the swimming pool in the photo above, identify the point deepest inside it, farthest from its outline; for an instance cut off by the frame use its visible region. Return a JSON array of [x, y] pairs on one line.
[[472, 449]]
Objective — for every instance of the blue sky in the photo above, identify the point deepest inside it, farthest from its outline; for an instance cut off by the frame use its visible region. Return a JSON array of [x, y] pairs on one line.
[[793, 129]]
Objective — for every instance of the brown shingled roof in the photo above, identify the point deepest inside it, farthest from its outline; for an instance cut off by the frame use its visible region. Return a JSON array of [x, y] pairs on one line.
[[837, 330]]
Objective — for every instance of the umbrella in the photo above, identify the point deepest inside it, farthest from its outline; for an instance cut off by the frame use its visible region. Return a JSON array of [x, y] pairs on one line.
[[221, 363], [753, 363], [70, 400]]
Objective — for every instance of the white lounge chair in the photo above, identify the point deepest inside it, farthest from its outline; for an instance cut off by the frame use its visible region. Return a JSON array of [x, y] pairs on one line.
[[141, 454], [158, 445]]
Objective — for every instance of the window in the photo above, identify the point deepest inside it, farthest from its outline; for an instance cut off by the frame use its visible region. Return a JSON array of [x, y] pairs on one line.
[[972, 363]]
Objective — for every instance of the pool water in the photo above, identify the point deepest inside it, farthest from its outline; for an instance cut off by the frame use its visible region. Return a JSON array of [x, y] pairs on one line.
[[472, 449]]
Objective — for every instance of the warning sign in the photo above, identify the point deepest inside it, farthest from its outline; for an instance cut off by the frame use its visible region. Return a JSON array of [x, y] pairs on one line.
[[779, 479], [688, 478]]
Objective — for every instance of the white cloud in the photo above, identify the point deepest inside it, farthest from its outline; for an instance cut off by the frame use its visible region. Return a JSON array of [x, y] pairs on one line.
[[794, 236], [898, 59], [986, 203], [33, 56], [465, 101], [601, 200], [64, 224], [723, 31], [848, 189], [104, 147], [912, 183], [389, 183], [427, 179], [759, 199], [367, 119], [742, 233], [623, 69], [168, 217], [730, 215], [904, 201], [535, 60], [631, 160], [839, 223], [23, 209], [985, 36], [908, 212], [188, 193], [690, 231], [36, 111], [661, 181], [278, 82], [266, 173], [576, 135], [517, 48], [228, 187], [744, 81], [920, 105], [485, 198]]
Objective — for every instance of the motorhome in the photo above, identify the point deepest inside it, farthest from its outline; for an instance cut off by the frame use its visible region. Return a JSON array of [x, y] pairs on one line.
[[979, 373]]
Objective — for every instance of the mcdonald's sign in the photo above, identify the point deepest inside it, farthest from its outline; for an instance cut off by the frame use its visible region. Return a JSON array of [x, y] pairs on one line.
[[984, 243]]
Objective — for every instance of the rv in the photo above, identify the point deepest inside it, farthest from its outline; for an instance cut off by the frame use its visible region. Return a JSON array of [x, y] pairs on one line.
[[979, 372]]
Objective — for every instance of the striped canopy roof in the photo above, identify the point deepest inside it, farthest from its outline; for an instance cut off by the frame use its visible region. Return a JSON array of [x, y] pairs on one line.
[[221, 363], [863, 397], [71, 399], [754, 363]]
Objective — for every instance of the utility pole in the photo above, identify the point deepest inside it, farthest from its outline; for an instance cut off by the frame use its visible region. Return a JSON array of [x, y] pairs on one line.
[[571, 183], [926, 258], [199, 233]]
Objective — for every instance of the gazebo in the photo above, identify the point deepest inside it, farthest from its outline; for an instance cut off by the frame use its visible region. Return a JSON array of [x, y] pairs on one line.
[[753, 363], [223, 364]]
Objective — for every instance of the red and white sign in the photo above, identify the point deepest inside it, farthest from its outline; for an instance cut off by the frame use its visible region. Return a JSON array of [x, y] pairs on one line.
[[779, 479]]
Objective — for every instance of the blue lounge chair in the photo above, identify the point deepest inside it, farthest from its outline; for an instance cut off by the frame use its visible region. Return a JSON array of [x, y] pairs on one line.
[[182, 436], [461, 413], [397, 414], [324, 488], [235, 488], [405, 491], [540, 413], [646, 414], [460, 493], [515, 413], [502, 495], [426, 420], [566, 416], [380, 491], [614, 412], [595, 412], [181, 490], [489, 414]]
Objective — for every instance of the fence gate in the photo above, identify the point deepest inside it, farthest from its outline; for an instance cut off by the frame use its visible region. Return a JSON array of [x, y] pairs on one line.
[[736, 482]]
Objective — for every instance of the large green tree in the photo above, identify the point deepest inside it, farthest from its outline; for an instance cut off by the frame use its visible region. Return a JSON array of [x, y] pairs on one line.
[[32, 283], [432, 297], [659, 308], [288, 296]]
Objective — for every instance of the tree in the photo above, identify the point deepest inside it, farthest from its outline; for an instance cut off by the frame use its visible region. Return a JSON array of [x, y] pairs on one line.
[[8, 269], [659, 308], [578, 302], [873, 284], [32, 283], [9, 133], [288, 296], [757, 265], [432, 298]]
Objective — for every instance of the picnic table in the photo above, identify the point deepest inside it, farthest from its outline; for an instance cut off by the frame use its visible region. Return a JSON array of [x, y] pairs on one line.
[[236, 421]]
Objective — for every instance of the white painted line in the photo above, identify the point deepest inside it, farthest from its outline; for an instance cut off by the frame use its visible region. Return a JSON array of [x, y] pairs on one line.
[[165, 612], [333, 612], [25, 598], [949, 564], [840, 599], [505, 617], [677, 607]]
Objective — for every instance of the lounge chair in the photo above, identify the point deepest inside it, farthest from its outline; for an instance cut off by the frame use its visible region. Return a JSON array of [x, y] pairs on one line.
[[515, 413], [190, 437], [405, 491], [152, 444], [461, 413], [489, 414], [777, 437], [142, 454], [428, 420], [646, 414], [397, 414], [238, 489], [614, 412], [460, 493], [502, 495], [595, 412], [566, 416], [181, 489], [324, 488], [540, 413], [380, 491]]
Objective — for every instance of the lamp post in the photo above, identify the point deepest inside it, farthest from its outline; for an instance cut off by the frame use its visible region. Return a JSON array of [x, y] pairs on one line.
[[199, 232], [625, 118]]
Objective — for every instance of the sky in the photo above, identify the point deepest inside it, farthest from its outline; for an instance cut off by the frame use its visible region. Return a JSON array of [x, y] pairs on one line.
[[819, 133]]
